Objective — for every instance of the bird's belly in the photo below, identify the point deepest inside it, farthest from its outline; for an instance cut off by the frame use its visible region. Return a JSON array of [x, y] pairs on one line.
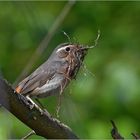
[[52, 87]]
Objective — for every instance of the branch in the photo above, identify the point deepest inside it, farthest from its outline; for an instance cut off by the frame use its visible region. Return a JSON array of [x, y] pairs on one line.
[[136, 136], [31, 115], [114, 132]]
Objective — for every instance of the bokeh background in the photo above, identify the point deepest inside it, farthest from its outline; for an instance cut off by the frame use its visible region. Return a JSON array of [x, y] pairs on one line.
[[108, 88]]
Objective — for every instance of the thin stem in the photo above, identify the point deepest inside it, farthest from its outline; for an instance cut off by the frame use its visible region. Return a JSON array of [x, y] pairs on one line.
[[28, 135]]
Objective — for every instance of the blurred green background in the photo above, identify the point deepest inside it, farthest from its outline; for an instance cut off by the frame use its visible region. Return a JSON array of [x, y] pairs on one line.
[[112, 91]]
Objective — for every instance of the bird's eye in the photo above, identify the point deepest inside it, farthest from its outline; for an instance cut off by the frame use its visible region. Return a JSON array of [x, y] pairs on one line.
[[67, 49]]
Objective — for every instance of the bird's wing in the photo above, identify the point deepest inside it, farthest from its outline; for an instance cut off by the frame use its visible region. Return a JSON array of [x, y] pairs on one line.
[[36, 79]]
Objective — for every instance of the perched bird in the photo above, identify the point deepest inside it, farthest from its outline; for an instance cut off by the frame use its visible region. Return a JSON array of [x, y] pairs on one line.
[[54, 75]]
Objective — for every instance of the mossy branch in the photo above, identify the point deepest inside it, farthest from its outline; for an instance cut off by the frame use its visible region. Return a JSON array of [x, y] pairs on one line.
[[30, 114]]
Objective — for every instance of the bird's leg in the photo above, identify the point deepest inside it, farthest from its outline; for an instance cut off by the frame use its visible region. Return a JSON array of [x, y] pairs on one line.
[[39, 103], [31, 101]]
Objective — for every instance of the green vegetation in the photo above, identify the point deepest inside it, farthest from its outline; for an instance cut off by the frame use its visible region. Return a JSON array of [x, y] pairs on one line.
[[90, 102]]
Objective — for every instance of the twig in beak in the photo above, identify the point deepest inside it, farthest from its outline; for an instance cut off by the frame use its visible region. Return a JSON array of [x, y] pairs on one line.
[[69, 39], [95, 42]]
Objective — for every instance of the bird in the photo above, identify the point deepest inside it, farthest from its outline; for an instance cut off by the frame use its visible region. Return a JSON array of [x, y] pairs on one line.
[[54, 75]]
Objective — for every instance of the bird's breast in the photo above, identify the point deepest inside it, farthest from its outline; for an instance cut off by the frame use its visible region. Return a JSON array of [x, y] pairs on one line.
[[51, 87]]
